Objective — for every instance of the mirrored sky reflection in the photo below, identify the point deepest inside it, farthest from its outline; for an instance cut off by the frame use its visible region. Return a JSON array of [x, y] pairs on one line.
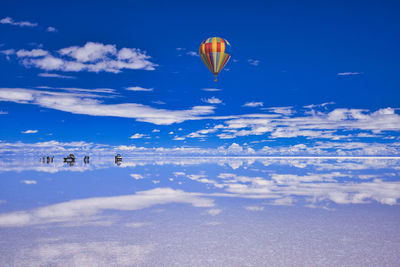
[[197, 211]]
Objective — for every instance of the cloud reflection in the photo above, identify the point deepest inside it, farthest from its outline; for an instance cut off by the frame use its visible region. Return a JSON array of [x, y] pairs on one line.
[[200, 182], [85, 209]]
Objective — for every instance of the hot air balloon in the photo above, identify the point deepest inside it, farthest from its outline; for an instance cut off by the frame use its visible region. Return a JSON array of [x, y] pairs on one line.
[[215, 53]]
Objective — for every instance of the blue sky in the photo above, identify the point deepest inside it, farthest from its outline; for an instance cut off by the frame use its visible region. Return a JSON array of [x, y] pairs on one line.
[[310, 77]]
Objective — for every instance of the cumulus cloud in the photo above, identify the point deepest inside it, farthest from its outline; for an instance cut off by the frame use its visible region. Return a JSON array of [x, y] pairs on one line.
[[89, 104], [92, 57], [317, 122], [10, 21], [138, 88], [29, 131], [253, 104], [212, 100], [34, 53]]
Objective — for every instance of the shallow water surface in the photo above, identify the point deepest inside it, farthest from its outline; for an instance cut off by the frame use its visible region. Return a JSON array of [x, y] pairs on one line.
[[200, 211]]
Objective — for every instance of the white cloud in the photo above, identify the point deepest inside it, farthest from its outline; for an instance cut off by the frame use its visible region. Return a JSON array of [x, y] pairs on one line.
[[10, 21], [253, 104], [348, 73], [193, 54], [3, 112], [235, 148], [137, 88], [8, 53], [80, 91], [212, 100], [51, 29], [254, 62], [32, 53], [211, 89], [29, 131], [158, 102], [138, 136], [319, 105], [337, 124], [90, 52], [54, 75], [155, 131], [281, 110], [29, 182], [92, 57], [136, 176], [89, 105]]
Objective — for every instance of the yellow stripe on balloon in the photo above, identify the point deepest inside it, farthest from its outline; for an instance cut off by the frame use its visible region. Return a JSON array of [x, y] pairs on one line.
[[221, 56], [214, 45], [214, 53]]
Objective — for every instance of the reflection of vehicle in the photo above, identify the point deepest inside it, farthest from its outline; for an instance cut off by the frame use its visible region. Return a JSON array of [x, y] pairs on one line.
[[70, 158], [118, 159]]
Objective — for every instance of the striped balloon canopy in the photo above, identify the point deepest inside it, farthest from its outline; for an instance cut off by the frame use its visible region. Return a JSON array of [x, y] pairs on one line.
[[215, 53]]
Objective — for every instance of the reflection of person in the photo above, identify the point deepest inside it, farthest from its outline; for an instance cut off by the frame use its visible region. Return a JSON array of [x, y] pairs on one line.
[[118, 159]]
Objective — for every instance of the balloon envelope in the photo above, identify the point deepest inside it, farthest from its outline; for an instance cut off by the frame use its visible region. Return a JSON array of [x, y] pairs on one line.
[[215, 53]]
